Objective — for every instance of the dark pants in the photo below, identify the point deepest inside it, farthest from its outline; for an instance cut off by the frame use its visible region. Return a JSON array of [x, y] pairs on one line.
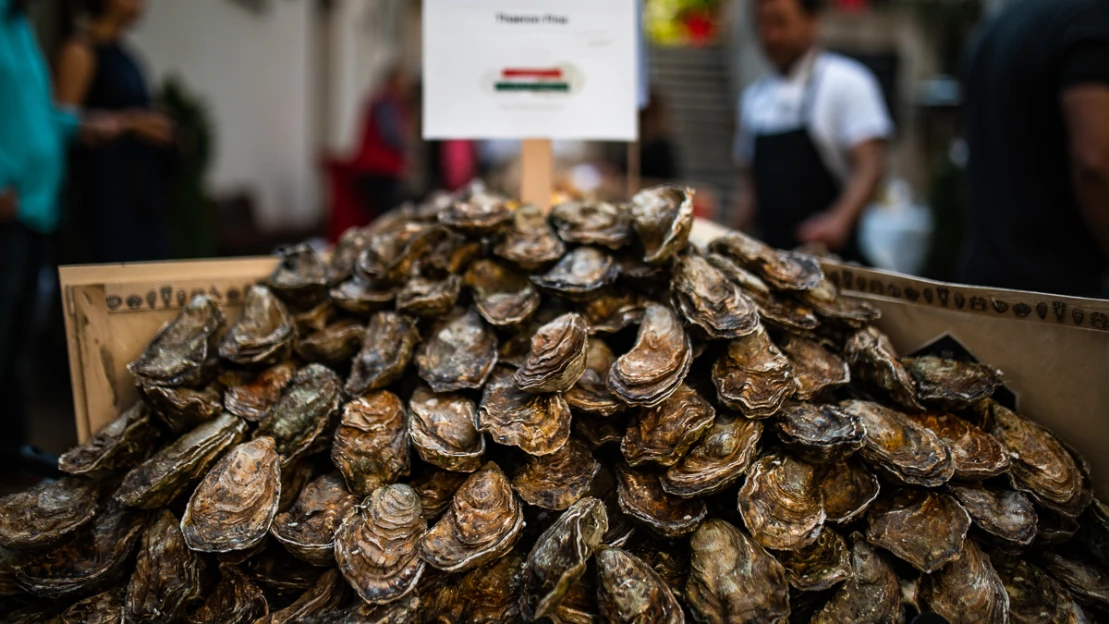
[[380, 194], [22, 254]]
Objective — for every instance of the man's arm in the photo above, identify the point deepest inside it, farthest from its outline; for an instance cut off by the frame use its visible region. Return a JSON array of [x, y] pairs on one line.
[[833, 227], [1084, 110], [744, 201]]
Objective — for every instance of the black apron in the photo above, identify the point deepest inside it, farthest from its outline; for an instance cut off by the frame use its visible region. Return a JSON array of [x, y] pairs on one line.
[[792, 182]]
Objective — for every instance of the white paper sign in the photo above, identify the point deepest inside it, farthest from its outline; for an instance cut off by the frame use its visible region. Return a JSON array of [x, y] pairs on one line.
[[522, 69]]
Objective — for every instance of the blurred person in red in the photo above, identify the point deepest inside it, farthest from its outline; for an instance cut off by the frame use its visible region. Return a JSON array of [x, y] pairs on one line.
[[1037, 128], [812, 136], [382, 158], [121, 187]]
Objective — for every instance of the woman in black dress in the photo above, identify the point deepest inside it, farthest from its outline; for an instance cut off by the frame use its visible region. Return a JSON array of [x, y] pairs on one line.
[[120, 187]]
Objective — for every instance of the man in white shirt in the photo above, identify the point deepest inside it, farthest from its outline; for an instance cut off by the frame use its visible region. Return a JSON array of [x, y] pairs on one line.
[[812, 134]]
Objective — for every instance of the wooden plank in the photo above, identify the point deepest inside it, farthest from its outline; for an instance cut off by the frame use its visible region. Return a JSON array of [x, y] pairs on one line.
[[537, 173]]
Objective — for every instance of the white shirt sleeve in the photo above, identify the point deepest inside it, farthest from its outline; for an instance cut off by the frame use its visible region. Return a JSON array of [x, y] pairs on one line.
[[861, 113], [743, 147]]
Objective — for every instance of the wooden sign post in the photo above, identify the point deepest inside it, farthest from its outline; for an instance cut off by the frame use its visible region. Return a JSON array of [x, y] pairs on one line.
[[537, 173]]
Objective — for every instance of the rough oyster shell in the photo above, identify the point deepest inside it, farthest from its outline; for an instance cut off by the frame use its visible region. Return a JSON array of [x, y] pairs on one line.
[[387, 348], [184, 350], [717, 461], [969, 585], [429, 298], [657, 364], [119, 445], [1006, 514], [558, 480], [781, 269], [482, 524], [307, 530], [951, 384], [323, 598], [441, 427], [664, 433], [300, 279], [530, 242], [167, 574], [539, 424], [579, 274], [872, 595], [235, 503], [781, 503], [485, 595], [815, 368], [976, 454], [925, 528], [346, 251], [181, 409], [610, 312], [559, 556], [641, 496], [303, 413], [279, 572], [826, 300], [103, 608], [732, 578], [900, 446], [459, 353], [335, 344], [1093, 535], [712, 302], [371, 444], [820, 434], [482, 213], [502, 296], [873, 359], [363, 297], [48, 513], [663, 219], [785, 312], [436, 489], [591, 394], [600, 431], [593, 223], [1034, 597], [376, 547], [263, 335], [579, 605], [821, 565], [848, 490], [235, 600], [1084, 581], [252, 400], [393, 255], [557, 357], [406, 610], [753, 376], [630, 591]]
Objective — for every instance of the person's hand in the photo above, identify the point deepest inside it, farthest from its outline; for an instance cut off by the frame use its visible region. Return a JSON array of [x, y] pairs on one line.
[[101, 127], [153, 127], [9, 205], [830, 228]]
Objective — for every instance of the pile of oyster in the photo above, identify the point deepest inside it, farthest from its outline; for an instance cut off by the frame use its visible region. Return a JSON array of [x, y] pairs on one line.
[[475, 412]]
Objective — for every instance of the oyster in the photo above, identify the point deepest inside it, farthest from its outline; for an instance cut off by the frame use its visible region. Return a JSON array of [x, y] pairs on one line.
[[969, 585], [48, 513], [235, 503], [482, 213], [925, 528], [712, 302], [252, 400], [264, 334], [346, 251], [184, 350], [94, 560], [1041, 466], [181, 409], [393, 255], [363, 297], [294, 477], [664, 433], [314, 319], [591, 394], [491, 592], [559, 556], [387, 348], [404, 611], [436, 489], [781, 503], [539, 424], [235, 600], [1086, 582], [459, 354], [717, 461], [175, 468], [785, 312], [167, 575], [815, 368], [1034, 597], [335, 344], [441, 427], [610, 312], [323, 598], [826, 300], [579, 274], [308, 529], [1007, 514], [976, 454], [593, 223], [502, 296], [821, 565], [579, 605], [951, 384], [530, 242], [280, 572], [558, 480], [901, 447], [820, 434], [371, 444], [783, 270], [657, 364], [630, 591], [872, 595], [641, 496], [103, 608], [119, 445], [600, 431], [663, 219], [848, 490], [429, 298], [300, 279], [482, 524], [303, 412], [733, 579], [376, 547], [873, 359], [1054, 528], [557, 357], [1094, 533], [753, 376]]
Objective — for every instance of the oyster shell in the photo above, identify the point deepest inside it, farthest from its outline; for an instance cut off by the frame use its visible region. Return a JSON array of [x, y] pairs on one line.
[[175, 468], [1034, 597], [951, 384], [314, 319], [300, 279], [717, 461], [530, 242], [600, 431], [630, 591], [441, 427], [663, 219], [48, 513], [502, 296], [323, 598], [393, 255], [184, 350], [558, 480], [235, 503], [1086, 582], [407, 610], [251, 401], [279, 572], [119, 445], [783, 270], [579, 605], [657, 364], [593, 223], [664, 433], [346, 251], [263, 336], [167, 575], [557, 357], [591, 394], [826, 300], [376, 547], [873, 359], [1007, 514], [753, 376], [785, 312], [641, 496], [363, 297], [103, 608], [610, 312], [482, 524], [969, 585], [976, 454], [559, 556], [781, 503], [820, 434], [539, 424], [491, 592], [712, 302], [429, 298], [579, 275], [620, 526], [901, 447], [235, 600], [335, 344], [733, 579], [482, 213], [1093, 535], [307, 530], [821, 565], [459, 353], [387, 348], [293, 479], [436, 489], [848, 490], [815, 368], [306, 408], [872, 595], [927, 529], [371, 444]]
